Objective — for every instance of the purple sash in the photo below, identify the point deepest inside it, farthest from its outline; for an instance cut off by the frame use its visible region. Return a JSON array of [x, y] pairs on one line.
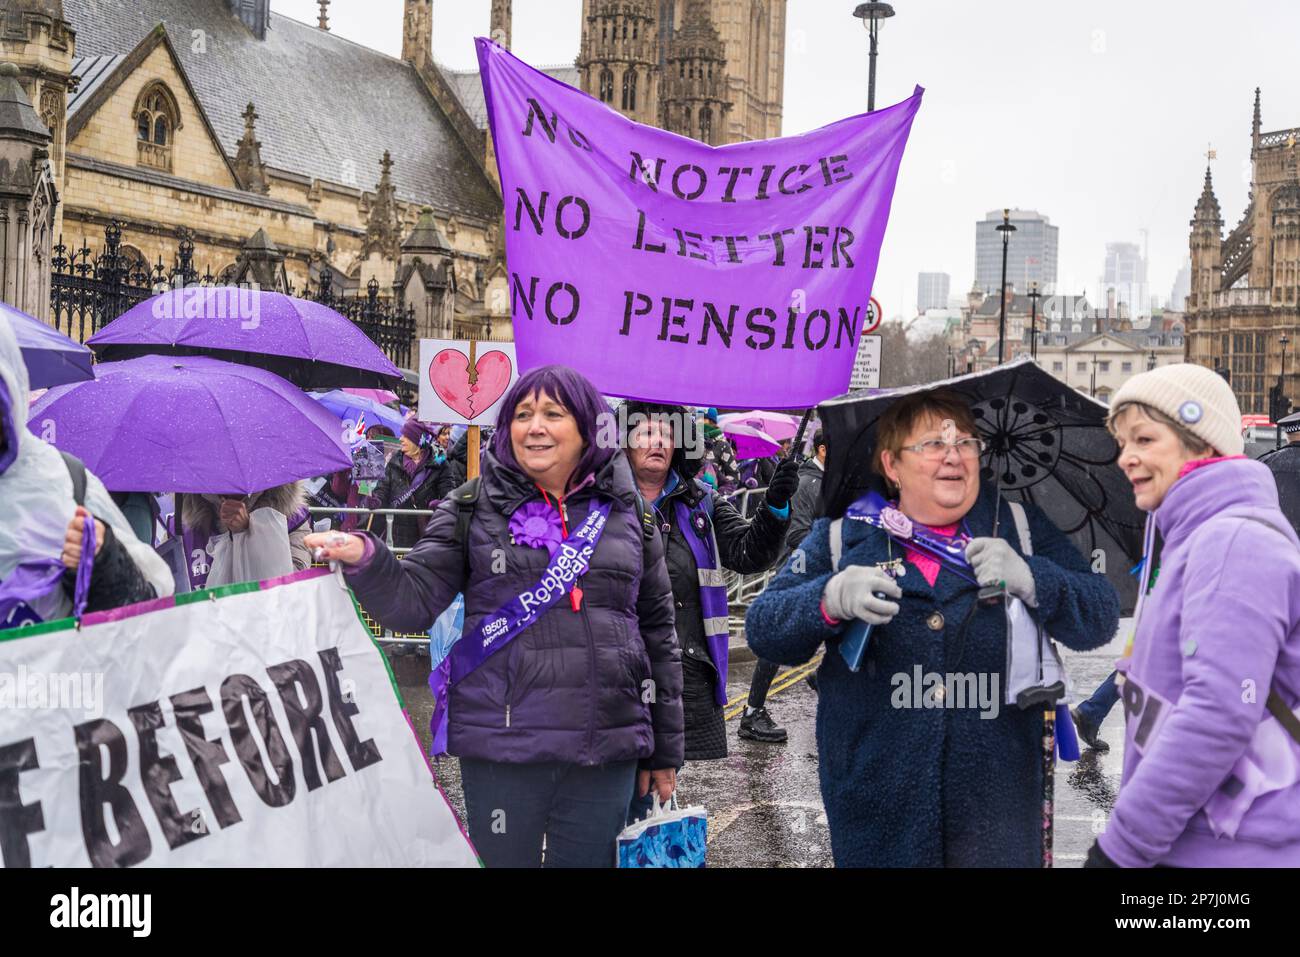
[[569, 562], [198, 560], [713, 593], [875, 511]]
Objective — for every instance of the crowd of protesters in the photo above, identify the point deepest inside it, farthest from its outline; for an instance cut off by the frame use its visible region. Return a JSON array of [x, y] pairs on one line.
[[593, 577]]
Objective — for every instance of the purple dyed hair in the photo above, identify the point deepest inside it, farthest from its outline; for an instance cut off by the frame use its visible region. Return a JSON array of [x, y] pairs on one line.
[[572, 390]]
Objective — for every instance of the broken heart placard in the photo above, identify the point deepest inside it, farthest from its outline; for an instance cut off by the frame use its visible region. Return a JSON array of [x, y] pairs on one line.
[[454, 389]]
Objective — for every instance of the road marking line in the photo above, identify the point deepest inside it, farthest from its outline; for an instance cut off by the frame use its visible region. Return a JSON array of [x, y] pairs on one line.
[[725, 819], [790, 677]]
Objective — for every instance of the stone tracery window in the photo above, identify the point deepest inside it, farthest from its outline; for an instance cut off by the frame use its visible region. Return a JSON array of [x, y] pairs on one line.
[[629, 90], [157, 118], [607, 85]]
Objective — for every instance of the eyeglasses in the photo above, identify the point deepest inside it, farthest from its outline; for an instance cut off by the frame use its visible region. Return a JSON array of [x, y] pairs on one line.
[[938, 448]]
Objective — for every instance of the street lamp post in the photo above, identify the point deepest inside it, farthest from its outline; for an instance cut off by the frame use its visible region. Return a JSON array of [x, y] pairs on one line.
[[952, 363], [871, 15], [1033, 320], [1281, 389], [1151, 360], [1094, 377], [1006, 229]]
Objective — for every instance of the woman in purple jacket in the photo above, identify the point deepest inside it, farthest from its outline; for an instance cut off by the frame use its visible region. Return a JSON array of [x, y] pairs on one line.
[[1211, 676], [566, 683]]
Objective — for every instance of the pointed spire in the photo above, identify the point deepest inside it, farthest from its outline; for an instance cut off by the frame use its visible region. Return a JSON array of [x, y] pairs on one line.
[[383, 227], [1255, 125], [501, 22], [1207, 207], [324, 21], [248, 159]]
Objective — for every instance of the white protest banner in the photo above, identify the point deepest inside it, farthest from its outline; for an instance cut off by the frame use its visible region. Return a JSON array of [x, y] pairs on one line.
[[455, 389], [252, 725]]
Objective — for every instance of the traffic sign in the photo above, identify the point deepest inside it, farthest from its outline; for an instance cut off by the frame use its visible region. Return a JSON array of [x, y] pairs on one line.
[[874, 315]]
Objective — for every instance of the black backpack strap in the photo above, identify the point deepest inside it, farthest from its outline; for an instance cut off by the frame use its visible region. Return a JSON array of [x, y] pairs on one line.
[[648, 524], [1278, 709], [77, 470], [465, 497]]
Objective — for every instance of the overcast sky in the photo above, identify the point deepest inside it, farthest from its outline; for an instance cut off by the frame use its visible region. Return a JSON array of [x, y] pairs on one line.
[[1098, 115]]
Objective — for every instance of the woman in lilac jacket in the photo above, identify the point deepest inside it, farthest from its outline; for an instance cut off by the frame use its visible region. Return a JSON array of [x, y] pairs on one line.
[[1211, 676]]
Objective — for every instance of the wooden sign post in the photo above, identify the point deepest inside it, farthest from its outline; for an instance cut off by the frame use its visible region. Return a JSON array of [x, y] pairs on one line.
[[472, 437]]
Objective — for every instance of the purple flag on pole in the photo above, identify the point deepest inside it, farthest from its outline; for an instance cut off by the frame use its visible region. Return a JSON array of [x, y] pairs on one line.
[[668, 270]]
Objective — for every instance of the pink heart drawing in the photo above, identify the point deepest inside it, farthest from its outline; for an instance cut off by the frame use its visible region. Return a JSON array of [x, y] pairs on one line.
[[449, 376]]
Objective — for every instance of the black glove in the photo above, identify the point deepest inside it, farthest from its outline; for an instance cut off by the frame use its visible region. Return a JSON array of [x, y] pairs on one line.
[[785, 482], [1097, 858]]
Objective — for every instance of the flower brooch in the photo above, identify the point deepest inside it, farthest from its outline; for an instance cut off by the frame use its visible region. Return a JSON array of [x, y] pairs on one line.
[[536, 525], [895, 522]]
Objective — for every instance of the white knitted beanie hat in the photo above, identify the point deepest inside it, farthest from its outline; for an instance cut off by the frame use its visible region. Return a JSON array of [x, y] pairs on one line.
[[1197, 398]]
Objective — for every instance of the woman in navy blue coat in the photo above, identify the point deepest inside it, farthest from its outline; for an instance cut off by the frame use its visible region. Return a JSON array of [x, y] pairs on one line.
[[911, 775]]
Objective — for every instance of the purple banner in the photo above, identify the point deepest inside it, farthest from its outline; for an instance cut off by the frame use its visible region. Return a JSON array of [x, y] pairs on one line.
[[668, 270]]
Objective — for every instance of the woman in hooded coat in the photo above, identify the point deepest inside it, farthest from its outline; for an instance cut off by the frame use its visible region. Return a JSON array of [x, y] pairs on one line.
[[247, 538], [43, 533], [418, 478], [705, 534]]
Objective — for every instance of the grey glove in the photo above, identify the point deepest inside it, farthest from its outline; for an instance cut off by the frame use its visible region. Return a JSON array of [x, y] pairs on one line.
[[850, 594], [994, 561]]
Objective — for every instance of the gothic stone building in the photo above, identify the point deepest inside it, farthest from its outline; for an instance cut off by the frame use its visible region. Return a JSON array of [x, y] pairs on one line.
[[1246, 288], [271, 141], [709, 69]]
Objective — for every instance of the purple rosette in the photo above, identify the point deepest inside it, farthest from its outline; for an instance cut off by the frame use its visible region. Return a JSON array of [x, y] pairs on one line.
[[895, 522], [536, 525]]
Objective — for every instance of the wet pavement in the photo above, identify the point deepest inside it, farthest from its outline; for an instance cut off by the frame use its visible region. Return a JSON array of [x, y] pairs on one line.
[[763, 800]]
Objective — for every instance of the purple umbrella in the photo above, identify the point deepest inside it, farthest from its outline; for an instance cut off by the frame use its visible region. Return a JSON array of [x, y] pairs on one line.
[[382, 396], [776, 424], [307, 343], [165, 424], [51, 357], [751, 443]]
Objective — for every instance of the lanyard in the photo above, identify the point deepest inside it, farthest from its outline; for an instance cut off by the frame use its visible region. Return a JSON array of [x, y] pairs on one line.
[[575, 595]]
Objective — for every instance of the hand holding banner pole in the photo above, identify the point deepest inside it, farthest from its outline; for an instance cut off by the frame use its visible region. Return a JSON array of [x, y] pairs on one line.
[[796, 444]]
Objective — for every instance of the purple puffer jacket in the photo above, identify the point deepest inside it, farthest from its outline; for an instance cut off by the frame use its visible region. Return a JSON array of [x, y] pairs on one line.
[[570, 686], [1217, 630]]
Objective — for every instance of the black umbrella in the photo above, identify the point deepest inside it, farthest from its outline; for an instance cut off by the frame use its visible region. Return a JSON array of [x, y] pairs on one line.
[[1047, 445]]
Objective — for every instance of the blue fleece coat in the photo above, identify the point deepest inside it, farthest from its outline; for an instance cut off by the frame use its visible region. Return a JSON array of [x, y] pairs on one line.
[[930, 786]]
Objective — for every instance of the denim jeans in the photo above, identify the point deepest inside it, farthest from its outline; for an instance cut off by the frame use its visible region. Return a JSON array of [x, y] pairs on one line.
[[578, 810], [1095, 709]]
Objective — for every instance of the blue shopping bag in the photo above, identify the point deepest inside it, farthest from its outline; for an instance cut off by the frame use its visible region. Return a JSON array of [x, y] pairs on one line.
[[668, 836]]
